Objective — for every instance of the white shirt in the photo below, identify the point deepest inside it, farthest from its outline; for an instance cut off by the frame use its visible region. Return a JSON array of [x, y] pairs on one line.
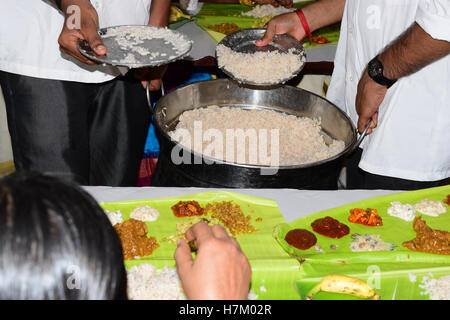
[[412, 140], [29, 31]]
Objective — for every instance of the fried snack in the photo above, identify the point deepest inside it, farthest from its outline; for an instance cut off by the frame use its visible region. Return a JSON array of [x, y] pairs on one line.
[[428, 240]]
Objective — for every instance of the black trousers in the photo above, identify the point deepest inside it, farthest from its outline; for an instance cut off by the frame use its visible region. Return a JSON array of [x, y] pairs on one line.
[[360, 179], [93, 134]]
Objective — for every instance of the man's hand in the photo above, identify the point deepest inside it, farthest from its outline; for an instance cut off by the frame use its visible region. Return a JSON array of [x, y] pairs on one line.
[[88, 31], [368, 99], [318, 14], [284, 23], [153, 76], [220, 271]]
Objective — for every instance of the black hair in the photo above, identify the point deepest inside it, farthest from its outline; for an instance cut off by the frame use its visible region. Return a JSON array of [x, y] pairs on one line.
[[56, 242]]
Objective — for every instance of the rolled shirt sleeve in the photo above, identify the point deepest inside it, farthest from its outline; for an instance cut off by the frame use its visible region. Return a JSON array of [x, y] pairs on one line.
[[433, 16]]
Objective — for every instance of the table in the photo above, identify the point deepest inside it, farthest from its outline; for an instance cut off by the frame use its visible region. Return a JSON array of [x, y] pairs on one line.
[[293, 204]]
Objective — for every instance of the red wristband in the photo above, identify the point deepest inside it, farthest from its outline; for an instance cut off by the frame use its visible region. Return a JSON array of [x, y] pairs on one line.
[[305, 25]]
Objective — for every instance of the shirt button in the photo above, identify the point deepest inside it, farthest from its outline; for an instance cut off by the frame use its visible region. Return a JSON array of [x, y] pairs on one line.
[[351, 78], [350, 30]]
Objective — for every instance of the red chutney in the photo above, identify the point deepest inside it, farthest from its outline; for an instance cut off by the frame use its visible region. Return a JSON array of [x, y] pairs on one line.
[[187, 209], [330, 227], [301, 239], [368, 217]]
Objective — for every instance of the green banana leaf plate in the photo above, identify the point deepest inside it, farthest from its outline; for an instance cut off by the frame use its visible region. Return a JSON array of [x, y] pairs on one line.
[[273, 270], [392, 273]]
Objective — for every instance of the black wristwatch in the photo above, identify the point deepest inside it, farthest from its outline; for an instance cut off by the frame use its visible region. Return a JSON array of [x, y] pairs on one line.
[[375, 70]]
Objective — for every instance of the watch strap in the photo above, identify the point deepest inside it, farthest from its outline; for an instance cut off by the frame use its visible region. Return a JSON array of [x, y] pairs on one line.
[[378, 77]]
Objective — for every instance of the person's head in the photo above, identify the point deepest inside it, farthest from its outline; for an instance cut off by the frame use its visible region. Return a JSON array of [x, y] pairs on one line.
[[56, 242]]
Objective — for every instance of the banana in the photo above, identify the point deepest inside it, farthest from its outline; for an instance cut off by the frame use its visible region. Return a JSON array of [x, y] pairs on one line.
[[337, 283], [176, 13]]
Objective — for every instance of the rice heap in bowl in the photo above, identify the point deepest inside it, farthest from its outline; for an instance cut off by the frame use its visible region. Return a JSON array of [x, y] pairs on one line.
[[262, 67], [299, 138]]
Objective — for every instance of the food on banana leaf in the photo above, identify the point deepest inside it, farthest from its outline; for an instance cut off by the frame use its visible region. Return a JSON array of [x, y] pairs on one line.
[[330, 227], [428, 240], [301, 239], [430, 207], [447, 200], [187, 209], [261, 22], [183, 226], [133, 236], [369, 242], [368, 217], [225, 28], [231, 216], [337, 283]]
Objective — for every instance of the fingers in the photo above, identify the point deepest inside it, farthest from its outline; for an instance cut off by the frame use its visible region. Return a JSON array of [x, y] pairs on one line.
[[286, 3], [268, 36], [68, 45], [199, 232], [93, 38], [88, 30], [155, 84], [219, 232], [183, 257]]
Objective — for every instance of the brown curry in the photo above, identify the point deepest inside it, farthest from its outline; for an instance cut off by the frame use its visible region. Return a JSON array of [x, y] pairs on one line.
[[133, 236], [428, 240]]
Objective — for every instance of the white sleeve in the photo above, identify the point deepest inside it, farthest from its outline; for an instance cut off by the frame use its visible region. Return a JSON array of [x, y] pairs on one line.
[[433, 16]]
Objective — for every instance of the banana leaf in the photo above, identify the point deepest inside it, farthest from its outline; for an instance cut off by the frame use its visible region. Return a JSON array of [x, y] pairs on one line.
[[395, 267], [273, 270]]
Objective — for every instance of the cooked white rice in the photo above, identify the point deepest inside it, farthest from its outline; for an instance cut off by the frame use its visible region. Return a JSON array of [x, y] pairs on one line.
[[300, 140], [261, 11], [264, 67], [144, 213], [130, 38], [114, 217], [437, 289], [146, 283]]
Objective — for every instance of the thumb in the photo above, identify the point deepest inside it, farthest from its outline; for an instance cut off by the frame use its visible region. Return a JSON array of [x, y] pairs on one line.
[[95, 42], [183, 257], [268, 36]]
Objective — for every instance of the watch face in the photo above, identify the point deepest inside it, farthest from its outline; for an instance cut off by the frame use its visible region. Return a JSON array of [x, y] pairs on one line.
[[375, 69]]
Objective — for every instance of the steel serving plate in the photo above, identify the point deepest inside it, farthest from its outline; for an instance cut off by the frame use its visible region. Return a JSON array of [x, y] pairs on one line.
[[243, 41], [116, 53]]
